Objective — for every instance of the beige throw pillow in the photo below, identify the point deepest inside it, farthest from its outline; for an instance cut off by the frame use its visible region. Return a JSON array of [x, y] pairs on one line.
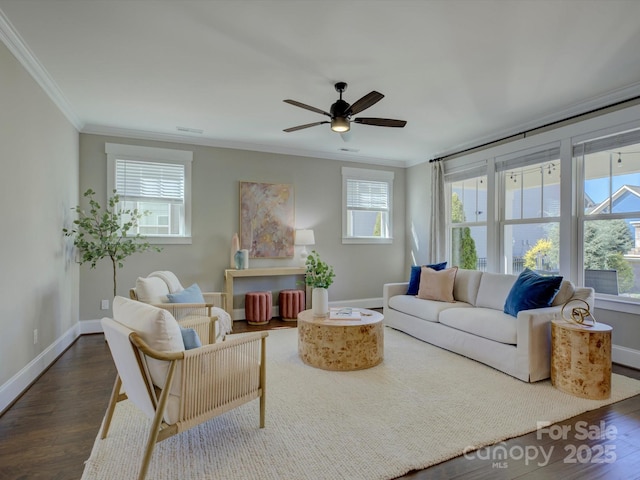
[[437, 285]]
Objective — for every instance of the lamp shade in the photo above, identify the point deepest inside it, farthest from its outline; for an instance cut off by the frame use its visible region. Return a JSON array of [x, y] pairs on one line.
[[305, 237]]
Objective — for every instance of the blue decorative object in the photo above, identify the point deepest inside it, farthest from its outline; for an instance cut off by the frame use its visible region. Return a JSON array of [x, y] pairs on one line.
[[238, 259], [190, 338], [414, 279], [193, 294], [531, 291]]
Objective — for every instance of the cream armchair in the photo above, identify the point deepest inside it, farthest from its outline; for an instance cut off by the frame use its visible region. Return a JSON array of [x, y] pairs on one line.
[[208, 317], [178, 389]]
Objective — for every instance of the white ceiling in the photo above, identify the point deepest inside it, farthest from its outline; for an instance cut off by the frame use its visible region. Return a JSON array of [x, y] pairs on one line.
[[459, 72]]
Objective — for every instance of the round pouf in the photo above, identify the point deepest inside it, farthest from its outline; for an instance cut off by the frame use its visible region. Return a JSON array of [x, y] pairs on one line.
[[291, 304], [257, 307]]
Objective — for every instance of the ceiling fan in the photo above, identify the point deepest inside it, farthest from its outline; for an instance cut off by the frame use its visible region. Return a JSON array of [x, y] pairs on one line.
[[341, 112]]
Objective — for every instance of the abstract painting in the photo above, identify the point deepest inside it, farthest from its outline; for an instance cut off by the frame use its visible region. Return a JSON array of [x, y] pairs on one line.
[[267, 219]]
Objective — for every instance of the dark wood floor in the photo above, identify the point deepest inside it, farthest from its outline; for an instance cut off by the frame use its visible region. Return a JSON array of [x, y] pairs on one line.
[[48, 433]]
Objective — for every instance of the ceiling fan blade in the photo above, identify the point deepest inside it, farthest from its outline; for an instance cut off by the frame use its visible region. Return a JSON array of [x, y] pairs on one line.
[[381, 122], [300, 127], [307, 107], [365, 102]]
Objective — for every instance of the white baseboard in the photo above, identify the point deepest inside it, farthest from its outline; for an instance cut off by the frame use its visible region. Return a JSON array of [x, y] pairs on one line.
[[625, 356], [238, 313], [16, 385], [90, 326]]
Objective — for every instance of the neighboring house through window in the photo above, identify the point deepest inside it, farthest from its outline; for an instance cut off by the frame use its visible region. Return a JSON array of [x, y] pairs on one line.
[[157, 181], [366, 205], [610, 217]]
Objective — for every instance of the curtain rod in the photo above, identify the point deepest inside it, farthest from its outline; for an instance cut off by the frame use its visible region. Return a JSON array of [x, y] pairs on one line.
[[533, 131]]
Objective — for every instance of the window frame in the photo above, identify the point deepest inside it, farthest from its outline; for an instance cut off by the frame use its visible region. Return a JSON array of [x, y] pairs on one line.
[[579, 150], [363, 174], [541, 157], [116, 152]]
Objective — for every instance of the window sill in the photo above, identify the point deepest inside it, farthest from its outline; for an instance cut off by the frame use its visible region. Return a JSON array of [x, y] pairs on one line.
[[366, 240], [618, 304], [168, 240]]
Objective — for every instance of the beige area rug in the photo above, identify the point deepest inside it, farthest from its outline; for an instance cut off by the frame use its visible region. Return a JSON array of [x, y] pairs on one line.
[[421, 406]]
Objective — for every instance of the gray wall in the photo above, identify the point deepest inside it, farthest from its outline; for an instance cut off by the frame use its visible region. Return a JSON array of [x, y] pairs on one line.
[[361, 270], [39, 155]]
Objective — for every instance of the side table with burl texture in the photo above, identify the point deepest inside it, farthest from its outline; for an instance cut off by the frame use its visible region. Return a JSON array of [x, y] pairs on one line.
[[581, 359], [341, 345]]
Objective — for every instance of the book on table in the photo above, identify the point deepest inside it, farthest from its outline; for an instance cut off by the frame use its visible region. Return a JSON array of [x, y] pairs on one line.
[[344, 313]]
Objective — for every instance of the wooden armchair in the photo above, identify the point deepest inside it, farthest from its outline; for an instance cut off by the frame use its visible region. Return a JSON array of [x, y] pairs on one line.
[[208, 316], [178, 389]]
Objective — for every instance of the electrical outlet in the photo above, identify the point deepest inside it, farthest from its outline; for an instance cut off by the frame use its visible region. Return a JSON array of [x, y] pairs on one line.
[[35, 336], [104, 305]]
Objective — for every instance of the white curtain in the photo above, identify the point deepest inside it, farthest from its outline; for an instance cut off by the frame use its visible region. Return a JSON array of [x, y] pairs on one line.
[[438, 230]]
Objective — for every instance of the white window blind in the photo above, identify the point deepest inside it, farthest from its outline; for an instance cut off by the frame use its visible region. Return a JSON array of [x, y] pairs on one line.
[[367, 195], [524, 159], [145, 181]]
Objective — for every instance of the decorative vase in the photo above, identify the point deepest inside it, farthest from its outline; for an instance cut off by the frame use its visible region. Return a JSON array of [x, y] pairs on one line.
[[235, 247], [320, 302], [237, 259], [245, 259]]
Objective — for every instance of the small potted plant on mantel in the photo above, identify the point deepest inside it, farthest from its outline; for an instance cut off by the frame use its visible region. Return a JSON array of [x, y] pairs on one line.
[[319, 276]]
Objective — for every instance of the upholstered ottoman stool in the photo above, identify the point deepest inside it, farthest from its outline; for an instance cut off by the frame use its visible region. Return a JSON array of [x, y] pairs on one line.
[[257, 307], [291, 304]]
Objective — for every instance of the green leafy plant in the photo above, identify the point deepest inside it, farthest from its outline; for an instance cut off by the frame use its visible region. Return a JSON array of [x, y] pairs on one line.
[[318, 273], [105, 233]]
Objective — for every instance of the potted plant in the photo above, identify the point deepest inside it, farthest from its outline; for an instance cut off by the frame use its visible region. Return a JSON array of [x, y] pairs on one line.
[[105, 233], [319, 276]]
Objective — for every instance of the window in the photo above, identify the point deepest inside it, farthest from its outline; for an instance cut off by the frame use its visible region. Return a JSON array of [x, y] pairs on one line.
[[468, 220], [157, 181], [530, 210], [610, 213], [367, 205]]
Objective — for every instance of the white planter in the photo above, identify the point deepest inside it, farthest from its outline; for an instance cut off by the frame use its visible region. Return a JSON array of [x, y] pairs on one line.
[[320, 302]]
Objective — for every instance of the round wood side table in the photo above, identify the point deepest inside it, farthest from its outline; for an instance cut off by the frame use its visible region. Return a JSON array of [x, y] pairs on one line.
[[581, 359], [341, 344]]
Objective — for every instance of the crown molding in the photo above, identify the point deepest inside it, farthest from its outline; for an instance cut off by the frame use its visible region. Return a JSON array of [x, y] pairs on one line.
[[211, 142], [17, 46]]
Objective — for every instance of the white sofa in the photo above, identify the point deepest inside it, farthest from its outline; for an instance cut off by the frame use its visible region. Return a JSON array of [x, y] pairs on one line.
[[476, 326]]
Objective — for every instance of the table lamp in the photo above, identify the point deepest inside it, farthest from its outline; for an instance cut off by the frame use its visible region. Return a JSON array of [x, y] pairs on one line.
[[303, 238]]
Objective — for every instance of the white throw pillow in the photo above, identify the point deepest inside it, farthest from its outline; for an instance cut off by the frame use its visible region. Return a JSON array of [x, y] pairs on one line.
[[158, 329], [173, 284], [152, 290]]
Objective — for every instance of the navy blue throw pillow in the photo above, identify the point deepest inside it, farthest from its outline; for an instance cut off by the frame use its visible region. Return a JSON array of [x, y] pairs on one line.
[[531, 291], [414, 279]]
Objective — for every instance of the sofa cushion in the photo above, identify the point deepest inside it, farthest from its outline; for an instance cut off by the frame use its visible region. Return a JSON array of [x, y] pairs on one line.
[[483, 322], [414, 279], [531, 291], [193, 294], [151, 290], [465, 288], [493, 290], [437, 285], [424, 309], [565, 293]]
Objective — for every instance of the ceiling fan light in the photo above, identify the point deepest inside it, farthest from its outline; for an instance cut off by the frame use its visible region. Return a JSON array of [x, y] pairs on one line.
[[340, 124]]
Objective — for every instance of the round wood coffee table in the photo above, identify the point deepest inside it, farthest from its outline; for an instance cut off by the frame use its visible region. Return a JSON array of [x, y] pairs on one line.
[[341, 344]]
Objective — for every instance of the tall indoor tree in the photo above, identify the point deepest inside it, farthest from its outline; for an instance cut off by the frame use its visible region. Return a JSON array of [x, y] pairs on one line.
[[107, 232]]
